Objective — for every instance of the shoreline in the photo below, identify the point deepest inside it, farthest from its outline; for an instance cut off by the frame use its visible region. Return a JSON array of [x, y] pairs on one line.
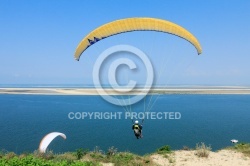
[[93, 91]]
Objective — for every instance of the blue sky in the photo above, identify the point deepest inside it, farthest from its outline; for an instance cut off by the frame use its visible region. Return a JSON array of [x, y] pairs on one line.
[[38, 40]]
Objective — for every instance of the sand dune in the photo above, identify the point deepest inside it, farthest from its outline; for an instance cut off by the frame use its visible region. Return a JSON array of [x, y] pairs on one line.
[[188, 158]]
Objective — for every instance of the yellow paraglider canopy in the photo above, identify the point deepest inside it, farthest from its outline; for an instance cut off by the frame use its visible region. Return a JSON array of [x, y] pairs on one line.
[[135, 24]]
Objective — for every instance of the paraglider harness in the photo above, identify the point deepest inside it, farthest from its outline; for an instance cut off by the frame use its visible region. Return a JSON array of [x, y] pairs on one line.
[[137, 129]]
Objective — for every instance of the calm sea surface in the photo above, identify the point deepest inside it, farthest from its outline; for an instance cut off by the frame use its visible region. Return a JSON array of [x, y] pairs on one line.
[[213, 119]]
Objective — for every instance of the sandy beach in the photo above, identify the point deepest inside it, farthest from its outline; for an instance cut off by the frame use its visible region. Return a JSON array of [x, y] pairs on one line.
[[93, 91]]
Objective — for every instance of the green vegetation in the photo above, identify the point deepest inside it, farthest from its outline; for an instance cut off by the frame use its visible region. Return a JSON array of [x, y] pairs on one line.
[[78, 158], [242, 147], [164, 150], [202, 150], [80, 153], [119, 158], [30, 159], [112, 151], [98, 157]]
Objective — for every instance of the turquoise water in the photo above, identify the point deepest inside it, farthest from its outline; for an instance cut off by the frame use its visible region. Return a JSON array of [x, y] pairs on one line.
[[213, 119]]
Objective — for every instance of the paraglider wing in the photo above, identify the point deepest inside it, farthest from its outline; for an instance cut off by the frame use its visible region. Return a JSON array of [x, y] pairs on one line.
[[48, 139], [135, 24]]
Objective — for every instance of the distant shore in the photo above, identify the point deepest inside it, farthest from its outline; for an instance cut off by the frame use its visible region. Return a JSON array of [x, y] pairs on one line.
[[93, 91]]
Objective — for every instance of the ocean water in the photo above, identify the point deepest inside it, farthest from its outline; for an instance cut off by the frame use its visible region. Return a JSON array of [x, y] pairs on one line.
[[213, 119]]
